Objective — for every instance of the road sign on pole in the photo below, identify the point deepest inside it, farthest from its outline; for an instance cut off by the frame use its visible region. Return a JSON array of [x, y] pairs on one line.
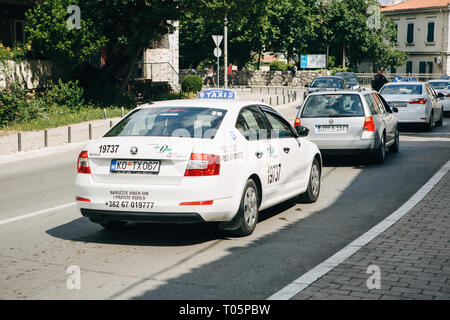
[[217, 39], [217, 52]]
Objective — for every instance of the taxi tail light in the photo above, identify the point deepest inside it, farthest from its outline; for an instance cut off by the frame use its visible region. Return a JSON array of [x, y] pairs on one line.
[[83, 163], [447, 95], [369, 124], [297, 123], [202, 164], [197, 203], [82, 199], [418, 101]]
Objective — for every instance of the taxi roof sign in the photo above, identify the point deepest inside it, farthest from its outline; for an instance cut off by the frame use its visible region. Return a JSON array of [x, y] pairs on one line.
[[445, 78], [217, 94], [409, 79]]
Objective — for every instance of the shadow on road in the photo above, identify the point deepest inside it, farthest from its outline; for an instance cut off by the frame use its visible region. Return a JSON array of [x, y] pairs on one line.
[[151, 234], [264, 265]]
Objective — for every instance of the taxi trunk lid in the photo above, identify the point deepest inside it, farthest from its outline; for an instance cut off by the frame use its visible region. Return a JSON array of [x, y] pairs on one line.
[[171, 153]]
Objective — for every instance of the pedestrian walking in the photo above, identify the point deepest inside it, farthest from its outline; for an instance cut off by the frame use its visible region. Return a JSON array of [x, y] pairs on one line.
[[210, 77], [230, 74], [294, 75], [379, 80]]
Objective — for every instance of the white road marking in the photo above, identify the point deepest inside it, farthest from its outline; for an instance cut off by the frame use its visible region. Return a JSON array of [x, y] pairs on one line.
[[36, 213], [320, 270]]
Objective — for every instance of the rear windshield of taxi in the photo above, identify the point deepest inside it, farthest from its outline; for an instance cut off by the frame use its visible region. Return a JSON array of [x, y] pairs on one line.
[[189, 122], [333, 105], [402, 89], [327, 83], [439, 85]]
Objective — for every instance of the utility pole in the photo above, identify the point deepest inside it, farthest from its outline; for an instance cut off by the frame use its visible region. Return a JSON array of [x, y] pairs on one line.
[[343, 56], [225, 53]]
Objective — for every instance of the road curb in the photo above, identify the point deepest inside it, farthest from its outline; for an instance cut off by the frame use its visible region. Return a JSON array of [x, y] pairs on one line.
[[323, 268]]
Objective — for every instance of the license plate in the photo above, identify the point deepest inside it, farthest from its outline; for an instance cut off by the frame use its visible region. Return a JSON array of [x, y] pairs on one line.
[[332, 129], [398, 104], [135, 166]]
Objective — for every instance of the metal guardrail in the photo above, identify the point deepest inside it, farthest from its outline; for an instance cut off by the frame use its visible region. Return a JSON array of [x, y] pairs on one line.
[[366, 78]]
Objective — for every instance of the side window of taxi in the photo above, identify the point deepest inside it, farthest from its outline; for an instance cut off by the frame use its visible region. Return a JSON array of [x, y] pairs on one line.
[[371, 103], [378, 104], [251, 124], [430, 91], [280, 128]]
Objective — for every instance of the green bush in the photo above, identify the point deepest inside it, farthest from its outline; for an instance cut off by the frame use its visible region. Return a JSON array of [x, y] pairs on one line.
[[13, 100], [278, 66], [192, 83], [69, 94]]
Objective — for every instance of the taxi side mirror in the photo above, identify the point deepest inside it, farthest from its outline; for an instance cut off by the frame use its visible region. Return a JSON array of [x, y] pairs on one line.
[[302, 131], [441, 95], [307, 85], [395, 109]]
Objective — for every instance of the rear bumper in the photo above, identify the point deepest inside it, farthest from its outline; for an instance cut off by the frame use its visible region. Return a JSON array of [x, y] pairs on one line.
[[347, 146], [412, 116], [156, 217], [159, 203], [446, 105]]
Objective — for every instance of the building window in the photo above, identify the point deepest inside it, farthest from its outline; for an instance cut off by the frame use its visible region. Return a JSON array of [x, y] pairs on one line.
[[430, 67], [422, 67], [430, 33], [410, 35], [393, 70], [19, 31], [396, 33], [409, 66]]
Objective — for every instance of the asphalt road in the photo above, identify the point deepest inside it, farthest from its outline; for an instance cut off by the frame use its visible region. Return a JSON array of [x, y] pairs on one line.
[[146, 261]]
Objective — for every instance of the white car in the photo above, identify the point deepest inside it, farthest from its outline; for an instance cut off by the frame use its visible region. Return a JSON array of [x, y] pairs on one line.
[[416, 102], [186, 161], [442, 86]]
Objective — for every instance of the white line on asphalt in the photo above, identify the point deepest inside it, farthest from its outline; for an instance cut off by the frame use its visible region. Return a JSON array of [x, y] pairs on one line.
[[320, 270], [36, 213]]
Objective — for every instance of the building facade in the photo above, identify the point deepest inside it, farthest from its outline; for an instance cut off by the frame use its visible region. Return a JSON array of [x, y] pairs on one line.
[[423, 33]]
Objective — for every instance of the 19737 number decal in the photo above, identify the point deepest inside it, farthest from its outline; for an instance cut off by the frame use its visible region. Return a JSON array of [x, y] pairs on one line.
[[108, 148]]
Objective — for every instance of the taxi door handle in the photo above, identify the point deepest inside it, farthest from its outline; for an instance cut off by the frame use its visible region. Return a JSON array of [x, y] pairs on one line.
[[286, 149], [258, 154]]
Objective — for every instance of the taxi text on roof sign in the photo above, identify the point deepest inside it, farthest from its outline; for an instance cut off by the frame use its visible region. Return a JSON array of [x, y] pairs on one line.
[[410, 79], [217, 94], [405, 79], [445, 77]]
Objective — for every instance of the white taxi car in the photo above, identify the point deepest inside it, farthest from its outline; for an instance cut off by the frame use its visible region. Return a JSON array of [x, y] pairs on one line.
[[207, 159], [417, 102], [442, 86]]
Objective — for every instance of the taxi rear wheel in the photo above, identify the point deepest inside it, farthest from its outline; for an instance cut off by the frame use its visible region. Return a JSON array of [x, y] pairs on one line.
[[312, 192], [396, 145], [380, 153], [429, 125], [441, 120], [248, 210]]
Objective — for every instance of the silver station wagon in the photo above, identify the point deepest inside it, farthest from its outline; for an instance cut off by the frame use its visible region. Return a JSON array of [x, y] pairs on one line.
[[350, 122]]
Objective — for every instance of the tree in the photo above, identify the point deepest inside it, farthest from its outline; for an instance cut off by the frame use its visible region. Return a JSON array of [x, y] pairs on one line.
[[294, 27], [122, 27], [352, 29], [247, 29]]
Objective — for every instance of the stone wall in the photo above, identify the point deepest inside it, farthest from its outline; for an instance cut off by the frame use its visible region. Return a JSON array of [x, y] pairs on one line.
[[264, 78], [161, 58], [30, 74]]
